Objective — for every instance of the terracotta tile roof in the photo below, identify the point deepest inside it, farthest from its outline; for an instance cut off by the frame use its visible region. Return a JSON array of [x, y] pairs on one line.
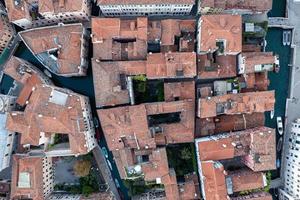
[[255, 82], [179, 90], [127, 126], [66, 39], [34, 167], [255, 196], [251, 48], [43, 115], [221, 27], [125, 2], [108, 83], [246, 179], [16, 12], [253, 5], [61, 6], [245, 144], [214, 181], [262, 154], [157, 167], [170, 185], [167, 30], [227, 123], [236, 104], [118, 39], [25, 74], [216, 66], [171, 65], [253, 59], [186, 125]]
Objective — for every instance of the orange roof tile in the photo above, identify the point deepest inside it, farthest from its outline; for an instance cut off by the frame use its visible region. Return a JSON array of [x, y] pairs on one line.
[[255, 196], [55, 7], [34, 167], [253, 5], [221, 27], [116, 39], [214, 181], [236, 104], [16, 12], [171, 65], [66, 39], [253, 59], [25, 74], [107, 80], [48, 113], [179, 90], [219, 66], [246, 179]]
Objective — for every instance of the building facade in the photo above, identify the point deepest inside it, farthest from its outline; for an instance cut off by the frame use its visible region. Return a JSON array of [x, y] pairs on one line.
[[7, 138], [28, 14], [7, 31], [291, 190], [145, 8]]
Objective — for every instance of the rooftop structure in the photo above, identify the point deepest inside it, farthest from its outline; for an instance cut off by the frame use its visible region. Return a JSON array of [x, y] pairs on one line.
[[255, 196], [254, 82], [112, 81], [213, 66], [137, 127], [118, 39], [174, 91], [240, 103], [171, 65], [51, 110], [32, 13], [253, 62], [255, 147], [32, 177], [26, 75], [173, 34], [145, 7], [234, 6], [228, 123], [62, 49], [221, 33], [7, 31]]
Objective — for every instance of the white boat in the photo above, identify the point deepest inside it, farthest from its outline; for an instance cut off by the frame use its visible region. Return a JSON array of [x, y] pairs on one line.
[[289, 38], [47, 73], [279, 125], [279, 144], [272, 114], [284, 37]]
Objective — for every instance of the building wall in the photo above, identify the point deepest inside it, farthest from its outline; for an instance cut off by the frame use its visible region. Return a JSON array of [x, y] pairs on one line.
[[50, 18], [146, 9], [7, 137], [7, 33], [64, 197], [88, 123], [48, 176], [292, 162]]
